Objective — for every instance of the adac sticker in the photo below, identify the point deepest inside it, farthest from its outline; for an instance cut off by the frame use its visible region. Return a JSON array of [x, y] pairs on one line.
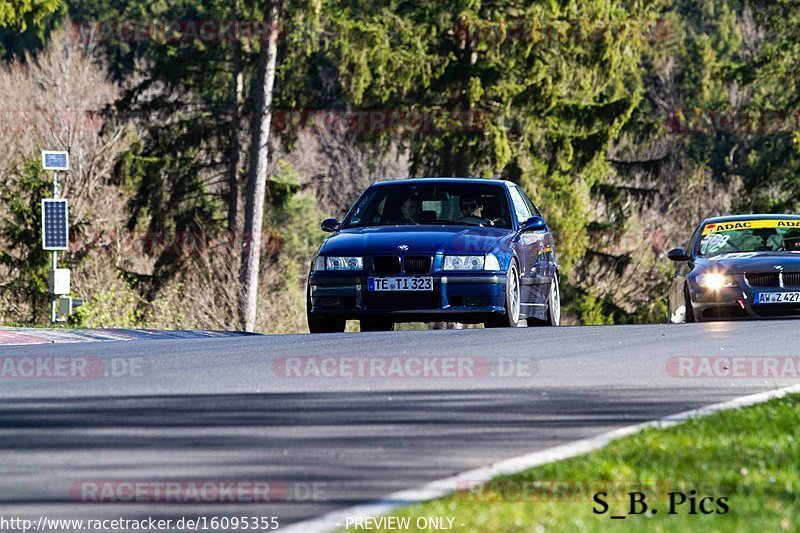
[[749, 224]]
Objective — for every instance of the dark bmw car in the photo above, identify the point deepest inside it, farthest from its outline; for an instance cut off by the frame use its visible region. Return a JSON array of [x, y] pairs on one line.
[[435, 249], [738, 267]]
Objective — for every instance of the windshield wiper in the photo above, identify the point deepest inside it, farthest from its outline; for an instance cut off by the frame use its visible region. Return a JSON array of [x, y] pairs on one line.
[[448, 223]]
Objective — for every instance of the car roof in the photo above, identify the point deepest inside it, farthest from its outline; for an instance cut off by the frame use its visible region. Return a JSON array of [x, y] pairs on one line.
[[411, 181], [734, 218]]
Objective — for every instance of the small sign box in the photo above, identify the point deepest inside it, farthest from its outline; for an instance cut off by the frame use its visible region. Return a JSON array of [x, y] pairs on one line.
[[59, 281], [55, 225], [52, 160]]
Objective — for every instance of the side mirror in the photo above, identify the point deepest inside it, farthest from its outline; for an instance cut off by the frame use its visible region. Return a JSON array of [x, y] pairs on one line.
[[678, 254], [330, 225], [534, 224]]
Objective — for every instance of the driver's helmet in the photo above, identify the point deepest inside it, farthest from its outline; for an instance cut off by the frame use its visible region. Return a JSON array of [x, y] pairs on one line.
[[765, 234]]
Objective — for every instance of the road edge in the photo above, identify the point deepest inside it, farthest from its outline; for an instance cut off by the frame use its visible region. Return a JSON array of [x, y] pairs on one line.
[[442, 487]]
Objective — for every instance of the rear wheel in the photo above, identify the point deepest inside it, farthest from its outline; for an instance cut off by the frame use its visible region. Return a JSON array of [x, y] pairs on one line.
[[511, 318], [554, 303], [376, 325], [553, 306]]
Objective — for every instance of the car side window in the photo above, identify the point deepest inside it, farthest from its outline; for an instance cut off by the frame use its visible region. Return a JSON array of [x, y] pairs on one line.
[[690, 248], [521, 209], [529, 203]]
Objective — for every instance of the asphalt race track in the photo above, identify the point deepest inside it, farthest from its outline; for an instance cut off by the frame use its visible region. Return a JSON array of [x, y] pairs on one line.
[[330, 421]]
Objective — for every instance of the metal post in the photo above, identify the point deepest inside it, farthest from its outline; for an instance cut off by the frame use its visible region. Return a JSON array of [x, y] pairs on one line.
[[54, 300]]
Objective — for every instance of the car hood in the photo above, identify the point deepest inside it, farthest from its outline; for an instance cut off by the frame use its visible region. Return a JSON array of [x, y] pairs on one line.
[[419, 239], [751, 262]]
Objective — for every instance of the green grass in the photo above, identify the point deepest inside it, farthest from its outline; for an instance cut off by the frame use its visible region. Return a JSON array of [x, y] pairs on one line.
[[749, 455]]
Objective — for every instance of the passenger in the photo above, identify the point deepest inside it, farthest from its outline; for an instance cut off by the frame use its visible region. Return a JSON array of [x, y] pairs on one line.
[[791, 240]]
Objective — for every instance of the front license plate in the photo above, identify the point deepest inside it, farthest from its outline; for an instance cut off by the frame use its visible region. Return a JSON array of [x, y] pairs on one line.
[[777, 297], [405, 283]]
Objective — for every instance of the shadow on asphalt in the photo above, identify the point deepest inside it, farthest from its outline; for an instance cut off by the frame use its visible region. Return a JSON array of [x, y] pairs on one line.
[[356, 446]]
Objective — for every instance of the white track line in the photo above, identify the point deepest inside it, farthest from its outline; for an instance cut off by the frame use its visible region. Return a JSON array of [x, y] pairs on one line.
[[442, 487]]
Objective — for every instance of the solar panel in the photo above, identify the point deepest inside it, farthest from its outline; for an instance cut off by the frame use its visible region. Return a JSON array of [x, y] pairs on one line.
[[55, 228], [55, 160]]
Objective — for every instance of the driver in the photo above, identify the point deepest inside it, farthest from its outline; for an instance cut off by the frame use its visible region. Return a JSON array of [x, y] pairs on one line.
[[411, 210], [766, 234], [471, 207]]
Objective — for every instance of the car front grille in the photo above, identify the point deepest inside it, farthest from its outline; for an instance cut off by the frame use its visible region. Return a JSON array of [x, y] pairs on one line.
[[413, 264], [386, 265], [791, 279], [410, 264], [765, 280], [772, 280]]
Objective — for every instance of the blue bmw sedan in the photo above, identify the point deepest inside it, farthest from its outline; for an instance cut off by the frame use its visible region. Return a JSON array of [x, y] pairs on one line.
[[435, 249]]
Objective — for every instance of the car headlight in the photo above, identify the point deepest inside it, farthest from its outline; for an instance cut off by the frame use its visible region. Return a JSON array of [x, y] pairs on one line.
[[491, 262], [716, 281], [339, 263], [344, 263], [471, 262], [463, 262]]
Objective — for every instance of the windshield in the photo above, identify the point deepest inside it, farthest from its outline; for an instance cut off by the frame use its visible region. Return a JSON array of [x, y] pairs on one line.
[[750, 236], [463, 204]]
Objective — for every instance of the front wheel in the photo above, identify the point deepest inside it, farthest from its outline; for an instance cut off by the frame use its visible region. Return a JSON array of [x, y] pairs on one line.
[[325, 325], [511, 318], [689, 316], [317, 324]]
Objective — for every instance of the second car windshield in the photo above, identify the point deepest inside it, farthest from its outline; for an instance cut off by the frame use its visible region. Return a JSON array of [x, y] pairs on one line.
[[768, 239], [432, 204]]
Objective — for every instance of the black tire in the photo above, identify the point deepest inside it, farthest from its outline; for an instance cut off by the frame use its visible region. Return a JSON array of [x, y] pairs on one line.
[[513, 294], [687, 299], [553, 307], [317, 324], [325, 325], [376, 325]]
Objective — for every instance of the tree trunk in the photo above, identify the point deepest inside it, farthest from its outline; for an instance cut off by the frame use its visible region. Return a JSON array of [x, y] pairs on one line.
[[236, 98], [257, 175]]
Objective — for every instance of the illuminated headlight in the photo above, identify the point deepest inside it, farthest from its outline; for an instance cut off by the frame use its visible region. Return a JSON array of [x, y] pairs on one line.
[[715, 281], [344, 263], [463, 262]]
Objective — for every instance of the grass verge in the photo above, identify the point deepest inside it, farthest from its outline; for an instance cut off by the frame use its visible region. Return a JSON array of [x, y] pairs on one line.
[[750, 456]]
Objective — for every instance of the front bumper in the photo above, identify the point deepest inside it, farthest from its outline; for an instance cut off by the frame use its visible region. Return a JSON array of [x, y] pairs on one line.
[[738, 303], [456, 297]]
